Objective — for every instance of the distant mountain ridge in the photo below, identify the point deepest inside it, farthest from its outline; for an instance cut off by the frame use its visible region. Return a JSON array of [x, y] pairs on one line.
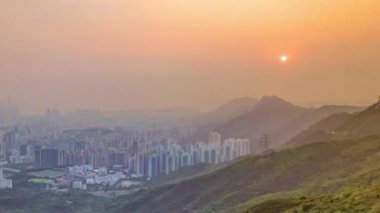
[[227, 111], [213, 120], [269, 114], [279, 119], [308, 119], [341, 126], [249, 118]]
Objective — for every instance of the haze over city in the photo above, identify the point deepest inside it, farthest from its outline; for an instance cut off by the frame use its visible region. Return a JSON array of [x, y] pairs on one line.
[[92, 54], [189, 106]]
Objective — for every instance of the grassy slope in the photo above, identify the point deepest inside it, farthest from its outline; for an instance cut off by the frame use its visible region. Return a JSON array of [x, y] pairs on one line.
[[341, 126], [320, 131], [314, 169], [353, 190], [305, 121], [351, 199], [184, 174]]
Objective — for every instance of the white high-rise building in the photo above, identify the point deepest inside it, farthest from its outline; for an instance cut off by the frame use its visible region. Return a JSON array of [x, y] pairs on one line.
[[4, 183], [214, 138], [234, 148]]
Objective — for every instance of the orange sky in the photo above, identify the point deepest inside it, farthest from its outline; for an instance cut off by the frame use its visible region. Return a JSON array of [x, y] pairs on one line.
[[153, 54]]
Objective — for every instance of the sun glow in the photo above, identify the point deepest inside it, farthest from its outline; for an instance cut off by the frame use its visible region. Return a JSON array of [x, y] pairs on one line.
[[284, 58]]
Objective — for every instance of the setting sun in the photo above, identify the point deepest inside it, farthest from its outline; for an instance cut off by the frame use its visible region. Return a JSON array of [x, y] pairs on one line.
[[284, 58]]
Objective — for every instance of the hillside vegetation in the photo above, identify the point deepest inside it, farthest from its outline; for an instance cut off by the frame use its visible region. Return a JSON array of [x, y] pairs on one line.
[[40, 201], [364, 198], [340, 127], [316, 170]]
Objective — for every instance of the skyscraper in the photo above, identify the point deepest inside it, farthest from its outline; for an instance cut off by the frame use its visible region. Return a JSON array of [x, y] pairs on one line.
[[46, 158], [4, 183]]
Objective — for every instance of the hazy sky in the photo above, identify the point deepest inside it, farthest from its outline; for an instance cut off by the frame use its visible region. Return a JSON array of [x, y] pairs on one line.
[[152, 54]]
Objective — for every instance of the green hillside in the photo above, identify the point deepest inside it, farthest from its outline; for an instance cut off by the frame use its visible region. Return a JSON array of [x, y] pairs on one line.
[[41, 201], [341, 126], [364, 198], [316, 170]]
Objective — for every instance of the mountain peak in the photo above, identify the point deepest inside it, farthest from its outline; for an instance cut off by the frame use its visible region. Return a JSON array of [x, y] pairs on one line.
[[272, 98], [273, 101], [238, 102]]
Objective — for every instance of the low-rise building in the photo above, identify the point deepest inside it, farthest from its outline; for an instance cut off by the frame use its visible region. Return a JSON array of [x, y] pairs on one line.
[[77, 184]]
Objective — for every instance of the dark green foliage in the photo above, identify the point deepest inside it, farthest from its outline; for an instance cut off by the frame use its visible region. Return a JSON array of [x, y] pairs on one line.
[[40, 200]]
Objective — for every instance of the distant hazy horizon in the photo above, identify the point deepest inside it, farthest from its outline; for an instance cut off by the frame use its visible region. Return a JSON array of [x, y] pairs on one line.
[[123, 55], [25, 111]]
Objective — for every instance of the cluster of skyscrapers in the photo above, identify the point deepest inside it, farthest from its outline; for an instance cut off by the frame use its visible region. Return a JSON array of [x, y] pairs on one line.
[[163, 159], [144, 158], [147, 154]]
